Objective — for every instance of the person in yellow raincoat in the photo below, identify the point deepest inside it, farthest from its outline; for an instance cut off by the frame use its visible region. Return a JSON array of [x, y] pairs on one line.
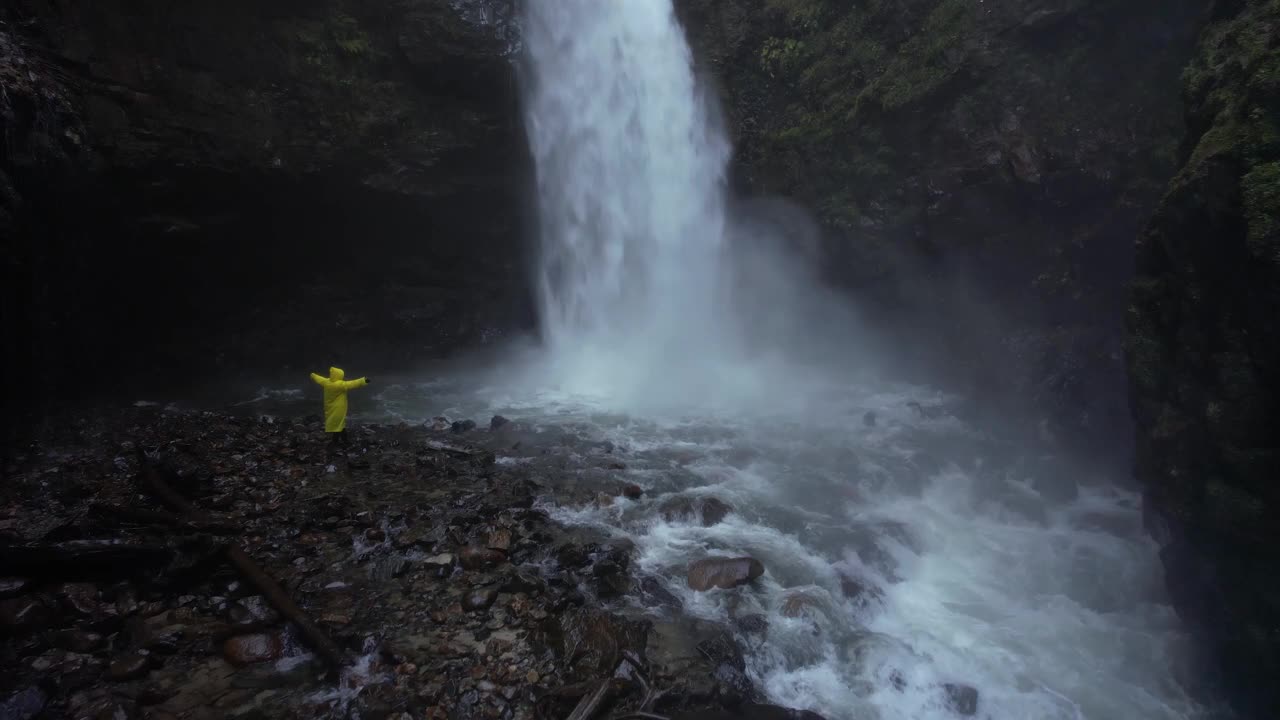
[[335, 401]]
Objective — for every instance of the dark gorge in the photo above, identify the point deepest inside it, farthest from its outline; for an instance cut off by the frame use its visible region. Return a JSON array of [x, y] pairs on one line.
[[1065, 213]]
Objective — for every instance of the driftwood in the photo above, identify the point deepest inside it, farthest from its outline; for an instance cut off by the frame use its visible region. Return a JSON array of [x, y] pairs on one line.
[[279, 599], [591, 703], [86, 558], [144, 516]]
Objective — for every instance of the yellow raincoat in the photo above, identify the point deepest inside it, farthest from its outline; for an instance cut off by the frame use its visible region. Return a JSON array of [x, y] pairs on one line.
[[335, 397]]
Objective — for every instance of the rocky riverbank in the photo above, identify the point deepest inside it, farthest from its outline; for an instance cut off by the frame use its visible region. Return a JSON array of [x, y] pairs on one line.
[[432, 567]]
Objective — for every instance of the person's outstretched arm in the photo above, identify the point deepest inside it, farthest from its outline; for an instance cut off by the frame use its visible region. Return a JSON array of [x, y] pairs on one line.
[[353, 384], [318, 379]]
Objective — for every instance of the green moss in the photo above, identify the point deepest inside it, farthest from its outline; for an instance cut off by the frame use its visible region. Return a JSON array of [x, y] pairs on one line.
[[930, 58], [1262, 211]]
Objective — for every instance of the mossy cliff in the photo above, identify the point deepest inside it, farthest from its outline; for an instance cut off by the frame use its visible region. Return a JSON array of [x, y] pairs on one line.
[[981, 169], [1204, 352], [217, 187]]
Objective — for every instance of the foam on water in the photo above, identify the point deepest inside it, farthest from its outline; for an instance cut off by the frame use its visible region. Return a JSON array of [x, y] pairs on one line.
[[1020, 575]]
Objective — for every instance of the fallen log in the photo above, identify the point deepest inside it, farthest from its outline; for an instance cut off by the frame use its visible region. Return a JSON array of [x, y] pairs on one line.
[[279, 599], [143, 516], [86, 558]]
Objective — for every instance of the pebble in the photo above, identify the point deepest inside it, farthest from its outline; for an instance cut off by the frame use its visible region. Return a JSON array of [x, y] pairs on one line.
[[532, 677], [13, 586], [481, 599], [128, 667]]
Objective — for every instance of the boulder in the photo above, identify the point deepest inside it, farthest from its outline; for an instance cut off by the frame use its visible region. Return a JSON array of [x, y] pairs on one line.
[[474, 557], [633, 492], [479, 599], [13, 586], [497, 422], [723, 572], [462, 426], [707, 511], [593, 642], [250, 649], [963, 699], [796, 604]]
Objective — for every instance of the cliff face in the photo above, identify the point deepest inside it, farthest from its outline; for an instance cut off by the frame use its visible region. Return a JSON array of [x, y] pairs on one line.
[[981, 169], [1204, 352], [210, 187]]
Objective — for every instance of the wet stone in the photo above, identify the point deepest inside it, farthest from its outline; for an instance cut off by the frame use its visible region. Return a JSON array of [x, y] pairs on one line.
[[753, 624], [78, 640], [655, 593], [22, 614], [633, 492], [477, 558], [963, 699], [81, 598], [13, 586], [723, 572], [480, 599], [497, 422], [707, 511], [128, 667], [23, 704], [500, 539], [799, 603], [256, 648], [462, 426]]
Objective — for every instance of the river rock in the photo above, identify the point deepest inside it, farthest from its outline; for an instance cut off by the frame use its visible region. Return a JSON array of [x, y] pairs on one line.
[[500, 539], [496, 422], [24, 704], [462, 426], [708, 511], [80, 598], [128, 667], [723, 572], [798, 603], [22, 614], [961, 698], [13, 586], [633, 492], [752, 624], [78, 641], [256, 648], [474, 557], [654, 593], [479, 599], [593, 642]]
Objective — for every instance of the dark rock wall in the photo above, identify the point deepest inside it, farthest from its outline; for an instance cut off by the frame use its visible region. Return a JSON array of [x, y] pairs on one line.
[[980, 168], [1204, 353], [194, 189]]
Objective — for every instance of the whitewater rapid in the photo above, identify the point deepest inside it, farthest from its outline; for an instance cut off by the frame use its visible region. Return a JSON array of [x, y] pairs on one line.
[[985, 563]]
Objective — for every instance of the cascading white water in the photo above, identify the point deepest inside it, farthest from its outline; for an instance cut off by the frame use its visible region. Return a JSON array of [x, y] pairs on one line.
[[1042, 593], [630, 176]]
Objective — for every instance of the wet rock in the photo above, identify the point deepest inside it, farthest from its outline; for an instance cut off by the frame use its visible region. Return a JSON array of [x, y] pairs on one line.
[[500, 539], [13, 586], [750, 711], [256, 648], [441, 562], [707, 511], [496, 422], [375, 535], [474, 557], [24, 704], [633, 492], [572, 556], [128, 667], [798, 603], [522, 581], [723, 572], [462, 426], [275, 675], [859, 591], [80, 598], [604, 500], [654, 593], [752, 624], [78, 641], [22, 615], [593, 642], [963, 699], [479, 599]]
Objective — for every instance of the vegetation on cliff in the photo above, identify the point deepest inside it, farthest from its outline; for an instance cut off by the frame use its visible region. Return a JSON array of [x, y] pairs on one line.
[[1204, 355]]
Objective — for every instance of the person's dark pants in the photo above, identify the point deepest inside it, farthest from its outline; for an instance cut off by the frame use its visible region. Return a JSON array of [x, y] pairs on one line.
[[338, 438]]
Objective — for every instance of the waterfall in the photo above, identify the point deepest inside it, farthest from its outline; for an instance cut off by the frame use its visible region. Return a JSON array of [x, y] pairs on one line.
[[631, 190]]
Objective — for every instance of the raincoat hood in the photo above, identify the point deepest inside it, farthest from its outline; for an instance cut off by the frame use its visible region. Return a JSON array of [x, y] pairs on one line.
[[336, 373]]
